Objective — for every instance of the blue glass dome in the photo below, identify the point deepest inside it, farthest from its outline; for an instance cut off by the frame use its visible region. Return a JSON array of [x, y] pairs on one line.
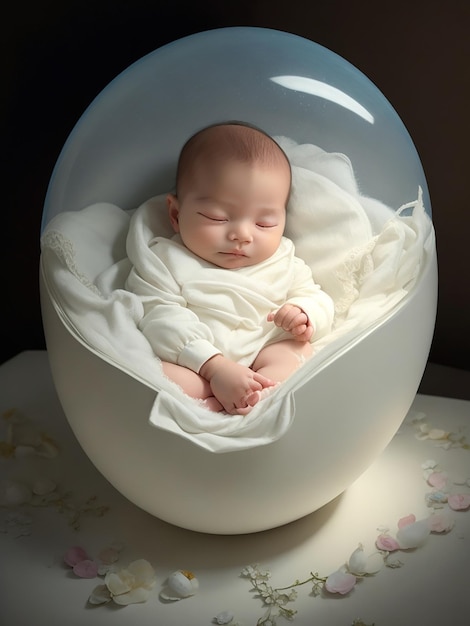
[[124, 147]]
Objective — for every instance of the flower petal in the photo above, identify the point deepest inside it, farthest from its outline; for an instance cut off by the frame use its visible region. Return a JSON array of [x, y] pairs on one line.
[[43, 486], [459, 501], [440, 523], [143, 573], [181, 584], [13, 493], [436, 498], [340, 582], [438, 480], [437, 433], [85, 569], [405, 521], [374, 563], [74, 555], [225, 617], [413, 535], [134, 596], [108, 556], [104, 568], [357, 561], [99, 595], [118, 582], [387, 543]]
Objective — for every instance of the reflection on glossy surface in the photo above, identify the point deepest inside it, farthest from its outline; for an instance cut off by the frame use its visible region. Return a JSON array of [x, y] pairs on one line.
[[323, 90]]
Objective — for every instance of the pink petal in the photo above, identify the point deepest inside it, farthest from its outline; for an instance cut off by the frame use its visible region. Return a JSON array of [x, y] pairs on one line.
[[459, 501], [108, 556], [406, 521], [387, 543], [440, 523], [437, 480], [340, 582], [74, 555], [86, 569]]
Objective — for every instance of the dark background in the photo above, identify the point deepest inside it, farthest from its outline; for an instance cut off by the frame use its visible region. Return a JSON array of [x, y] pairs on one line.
[[58, 56]]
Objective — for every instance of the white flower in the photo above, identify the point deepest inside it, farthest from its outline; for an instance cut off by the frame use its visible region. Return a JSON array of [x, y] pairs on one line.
[[127, 585], [180, 584], [225, 617], [361, 565], [253, 572]]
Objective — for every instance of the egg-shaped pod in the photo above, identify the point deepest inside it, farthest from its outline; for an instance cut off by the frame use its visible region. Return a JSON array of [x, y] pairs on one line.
[[359, 215]]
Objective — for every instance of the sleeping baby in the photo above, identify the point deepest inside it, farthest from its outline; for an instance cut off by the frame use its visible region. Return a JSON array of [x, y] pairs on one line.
[[228, 307]]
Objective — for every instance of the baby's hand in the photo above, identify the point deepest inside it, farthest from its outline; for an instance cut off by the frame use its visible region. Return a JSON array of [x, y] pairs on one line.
[[232, 384], [293, 320]]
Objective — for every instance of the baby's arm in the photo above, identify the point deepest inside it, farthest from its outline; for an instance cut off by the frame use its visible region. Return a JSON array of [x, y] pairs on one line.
[[309, 297], [174, 331], [294, 320], [232, 383]]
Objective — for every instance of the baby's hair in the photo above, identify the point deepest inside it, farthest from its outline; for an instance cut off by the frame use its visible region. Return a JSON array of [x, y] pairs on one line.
[[236, 140]]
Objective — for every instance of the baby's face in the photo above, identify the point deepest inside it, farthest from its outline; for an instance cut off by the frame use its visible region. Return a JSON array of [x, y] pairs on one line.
[[232, 214]]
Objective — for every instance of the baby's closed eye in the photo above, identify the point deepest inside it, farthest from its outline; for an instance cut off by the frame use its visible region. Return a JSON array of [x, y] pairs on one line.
[[214, 218]]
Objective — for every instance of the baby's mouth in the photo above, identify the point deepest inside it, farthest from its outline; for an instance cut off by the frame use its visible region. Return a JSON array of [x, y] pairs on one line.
[[235, 252]]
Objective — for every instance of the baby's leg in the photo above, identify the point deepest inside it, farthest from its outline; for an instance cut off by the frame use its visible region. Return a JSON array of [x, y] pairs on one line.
[[192, 384], [279, 360]]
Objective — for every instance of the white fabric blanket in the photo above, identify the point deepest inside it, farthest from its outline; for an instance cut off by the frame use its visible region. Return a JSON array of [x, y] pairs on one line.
[[366, 256]]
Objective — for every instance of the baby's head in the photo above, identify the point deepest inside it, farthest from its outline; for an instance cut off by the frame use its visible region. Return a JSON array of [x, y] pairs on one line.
[[232, 188]]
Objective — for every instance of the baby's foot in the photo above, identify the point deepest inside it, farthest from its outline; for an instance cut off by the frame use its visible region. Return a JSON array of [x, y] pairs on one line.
[[256, 396], [212, 404]]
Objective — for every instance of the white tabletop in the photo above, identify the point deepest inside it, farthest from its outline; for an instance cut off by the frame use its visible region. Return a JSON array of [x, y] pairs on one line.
[[430, 588]]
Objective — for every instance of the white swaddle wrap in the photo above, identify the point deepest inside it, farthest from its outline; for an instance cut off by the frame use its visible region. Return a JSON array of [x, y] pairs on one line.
[[364, 255]]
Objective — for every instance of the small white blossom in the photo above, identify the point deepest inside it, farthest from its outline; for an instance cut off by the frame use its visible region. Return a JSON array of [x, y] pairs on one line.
[[180, 584], [225, 617], [253, 572]]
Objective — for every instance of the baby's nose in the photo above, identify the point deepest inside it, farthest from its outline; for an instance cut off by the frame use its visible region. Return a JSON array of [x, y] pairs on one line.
[[241, 232]]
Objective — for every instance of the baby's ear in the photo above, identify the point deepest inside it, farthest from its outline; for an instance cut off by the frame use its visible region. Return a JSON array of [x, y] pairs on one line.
[[173, 211]]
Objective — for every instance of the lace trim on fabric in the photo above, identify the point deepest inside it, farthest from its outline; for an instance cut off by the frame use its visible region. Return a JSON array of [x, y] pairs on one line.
[[63, 248], [355, 268], [359, 262]]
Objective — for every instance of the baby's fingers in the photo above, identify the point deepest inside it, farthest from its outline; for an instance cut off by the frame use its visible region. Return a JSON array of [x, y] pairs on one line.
[[305, 336], [284, 317], [263, 381], [299, 330]]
